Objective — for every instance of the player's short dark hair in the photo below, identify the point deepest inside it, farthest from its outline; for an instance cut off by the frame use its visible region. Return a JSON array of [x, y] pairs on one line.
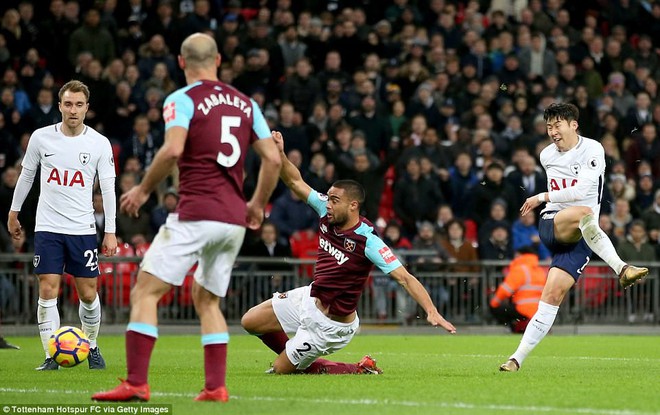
[[74, 86], [561, 111], [354, 190]]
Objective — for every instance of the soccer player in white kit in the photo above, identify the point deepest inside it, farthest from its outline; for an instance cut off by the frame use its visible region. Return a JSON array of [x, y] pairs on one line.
[[575, 167], [71, 155]]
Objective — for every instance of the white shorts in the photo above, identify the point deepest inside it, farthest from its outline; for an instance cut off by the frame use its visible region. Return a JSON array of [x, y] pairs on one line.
[[179, 245], [315, 334]]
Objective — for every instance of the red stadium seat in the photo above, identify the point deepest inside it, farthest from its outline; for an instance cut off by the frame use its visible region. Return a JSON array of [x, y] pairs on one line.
[[305, 245]]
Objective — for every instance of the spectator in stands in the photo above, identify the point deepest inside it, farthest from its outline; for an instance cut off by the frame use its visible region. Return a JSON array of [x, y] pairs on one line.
[[639, 114], [92, 37], [645, 147], [9, 147], [496, 216], [462, 180], [616, 88], [620, 188], [160, 213], [293, 50], [435, 256], [462, 287], [200, 20], [164, 23], [375, 127], [383, 286], [621, 217], [302, 88], [297, 138], [644, 195], [161, 79], [316, 174], [517, 297], [290, 214], [44, 112], [141, 144], [526, 234], [526, 180], [155, 52], [269, 245], [651, 217], [129, 226], [416, 198], [121, 114], [491, 188], [636, 248], [498, 245]]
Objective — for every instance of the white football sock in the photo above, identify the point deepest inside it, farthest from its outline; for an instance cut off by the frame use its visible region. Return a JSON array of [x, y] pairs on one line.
[[538, 327], [48, 318], [90, 317], [600, 243]]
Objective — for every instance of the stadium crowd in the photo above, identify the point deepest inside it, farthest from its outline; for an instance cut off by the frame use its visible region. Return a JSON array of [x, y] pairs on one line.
[[435, 106]]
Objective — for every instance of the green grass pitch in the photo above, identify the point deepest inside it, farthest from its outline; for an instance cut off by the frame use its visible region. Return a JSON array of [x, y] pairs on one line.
[[608, 375]]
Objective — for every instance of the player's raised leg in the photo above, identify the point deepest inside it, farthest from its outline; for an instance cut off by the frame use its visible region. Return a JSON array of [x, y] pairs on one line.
[[141, 336], [598, 241], [48, 316]]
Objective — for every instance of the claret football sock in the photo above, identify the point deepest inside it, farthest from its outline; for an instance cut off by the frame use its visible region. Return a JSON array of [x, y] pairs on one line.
[[215, 359], [48, 318], [140, 341], [90, 317], [323, 366], [275, 341], [600, 243], [538, 327]]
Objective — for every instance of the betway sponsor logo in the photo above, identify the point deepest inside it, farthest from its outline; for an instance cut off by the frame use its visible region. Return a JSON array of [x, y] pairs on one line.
[[335, 252]]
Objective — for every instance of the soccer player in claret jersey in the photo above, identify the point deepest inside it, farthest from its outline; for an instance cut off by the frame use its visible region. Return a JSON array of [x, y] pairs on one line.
[[575, 167], [70, 155], [209, 128], [322, 315]]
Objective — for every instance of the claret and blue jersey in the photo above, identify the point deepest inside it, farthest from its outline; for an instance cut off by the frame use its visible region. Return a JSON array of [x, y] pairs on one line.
[[345, 259], [226, 123]]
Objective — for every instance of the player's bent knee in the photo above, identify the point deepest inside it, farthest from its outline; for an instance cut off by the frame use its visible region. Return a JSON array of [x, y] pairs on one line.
[[87, 297], [249, 322], [283, 366], [585, 211]]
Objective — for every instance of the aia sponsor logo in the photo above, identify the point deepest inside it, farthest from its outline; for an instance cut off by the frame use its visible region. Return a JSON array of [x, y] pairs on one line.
[[69, 178], [558, 184]]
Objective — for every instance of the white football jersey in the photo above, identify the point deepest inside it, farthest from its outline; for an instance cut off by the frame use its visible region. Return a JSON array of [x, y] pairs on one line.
[[584, 163], [69, 166]]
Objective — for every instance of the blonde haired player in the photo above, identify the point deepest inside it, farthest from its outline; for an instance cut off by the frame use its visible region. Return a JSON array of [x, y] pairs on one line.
[[70, 155], [575, 167]]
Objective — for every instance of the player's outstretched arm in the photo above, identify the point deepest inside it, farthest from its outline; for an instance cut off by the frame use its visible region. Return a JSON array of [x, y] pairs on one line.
[[419, 293], [162, 165], [271, 164], [23, 186], [290, 174]]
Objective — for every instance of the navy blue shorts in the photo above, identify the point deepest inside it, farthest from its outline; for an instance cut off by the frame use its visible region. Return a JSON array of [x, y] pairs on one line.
[[571, 258], [55, 253]]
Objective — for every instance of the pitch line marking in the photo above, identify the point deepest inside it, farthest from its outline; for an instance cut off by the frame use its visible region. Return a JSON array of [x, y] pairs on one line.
[[359, 402]]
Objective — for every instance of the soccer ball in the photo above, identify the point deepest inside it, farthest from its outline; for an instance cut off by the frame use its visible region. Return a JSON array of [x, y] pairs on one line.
[[68, 346]]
